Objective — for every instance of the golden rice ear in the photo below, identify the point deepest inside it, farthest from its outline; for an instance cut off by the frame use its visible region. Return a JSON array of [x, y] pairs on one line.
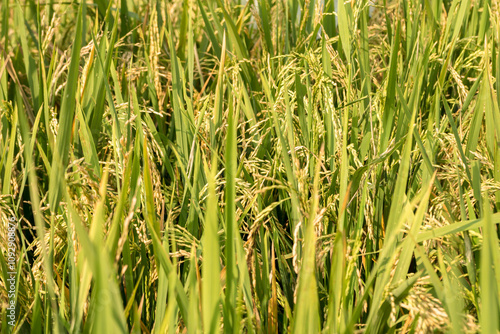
[[205, 166]]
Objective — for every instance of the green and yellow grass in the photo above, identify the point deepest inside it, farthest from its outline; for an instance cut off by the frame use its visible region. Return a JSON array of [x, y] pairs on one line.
[[193, 166]]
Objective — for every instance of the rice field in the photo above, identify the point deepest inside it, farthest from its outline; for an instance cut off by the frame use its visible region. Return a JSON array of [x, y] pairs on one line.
[[264, 166]]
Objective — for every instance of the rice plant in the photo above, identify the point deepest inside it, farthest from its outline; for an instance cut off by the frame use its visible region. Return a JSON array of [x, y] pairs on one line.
[[278, 166]]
